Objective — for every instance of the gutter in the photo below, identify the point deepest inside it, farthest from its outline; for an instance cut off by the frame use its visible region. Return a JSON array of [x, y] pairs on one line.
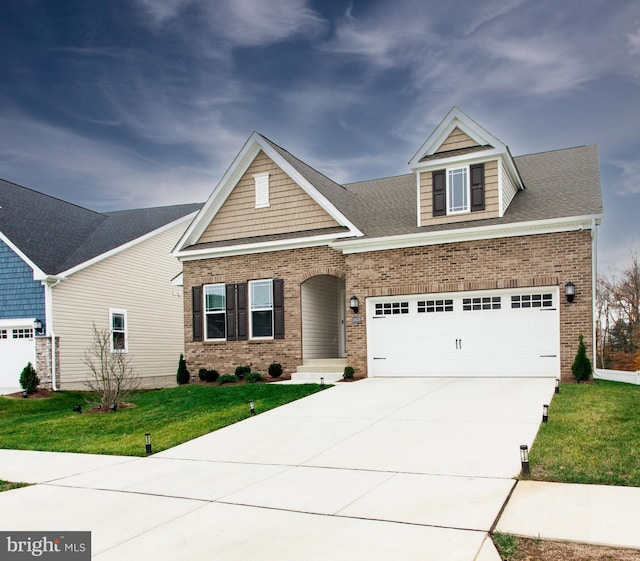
[[594, 284]]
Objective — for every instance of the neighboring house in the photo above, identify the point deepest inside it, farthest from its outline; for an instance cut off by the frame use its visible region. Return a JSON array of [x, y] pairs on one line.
[[64, 268], [459, 268]]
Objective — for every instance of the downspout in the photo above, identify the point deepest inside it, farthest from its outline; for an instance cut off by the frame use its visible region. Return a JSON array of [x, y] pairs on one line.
[[594, 284], [50, 332]]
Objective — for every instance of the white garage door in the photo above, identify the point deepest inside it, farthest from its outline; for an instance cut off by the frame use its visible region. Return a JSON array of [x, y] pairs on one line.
[[488, 333], [17, 348]]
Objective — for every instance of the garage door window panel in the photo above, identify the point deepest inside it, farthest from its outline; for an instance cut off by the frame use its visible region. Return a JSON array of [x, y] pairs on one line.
[[434, 306], [532, 301], [481, 303], [392, 308], [26, 333]]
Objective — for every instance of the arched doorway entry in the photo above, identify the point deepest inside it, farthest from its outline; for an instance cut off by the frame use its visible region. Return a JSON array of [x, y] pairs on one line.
[[323, 318]]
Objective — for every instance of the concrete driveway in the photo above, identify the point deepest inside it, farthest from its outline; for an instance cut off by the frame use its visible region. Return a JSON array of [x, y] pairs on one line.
[[377, 469]]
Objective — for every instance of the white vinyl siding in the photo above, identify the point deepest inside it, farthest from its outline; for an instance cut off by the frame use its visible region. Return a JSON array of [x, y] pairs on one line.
[[509, 189], [138, 280], [321, 317]]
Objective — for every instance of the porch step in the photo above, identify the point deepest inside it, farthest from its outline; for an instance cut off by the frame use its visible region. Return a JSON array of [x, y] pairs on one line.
[[331, 369]]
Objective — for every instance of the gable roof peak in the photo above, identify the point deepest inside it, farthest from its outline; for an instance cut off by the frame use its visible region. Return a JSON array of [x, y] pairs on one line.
[[457, 119]]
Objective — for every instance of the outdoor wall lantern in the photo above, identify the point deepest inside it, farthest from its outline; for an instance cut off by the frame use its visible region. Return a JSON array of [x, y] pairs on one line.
[[524, 459], [147, 443], [570, 291], [545, 413], [252, 407], [37, 326], [354, 304]]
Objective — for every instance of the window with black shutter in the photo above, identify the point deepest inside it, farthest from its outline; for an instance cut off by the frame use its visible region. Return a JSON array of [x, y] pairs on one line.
[[451, 187]]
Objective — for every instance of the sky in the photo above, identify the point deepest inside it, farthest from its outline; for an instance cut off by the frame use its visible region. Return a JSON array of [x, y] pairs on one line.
[[135, 103]]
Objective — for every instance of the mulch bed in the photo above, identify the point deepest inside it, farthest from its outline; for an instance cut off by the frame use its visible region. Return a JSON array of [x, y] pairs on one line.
[[38, 394], [544, 550]]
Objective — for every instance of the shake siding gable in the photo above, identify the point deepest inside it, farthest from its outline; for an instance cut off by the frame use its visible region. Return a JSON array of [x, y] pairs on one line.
[[137, 280], [457, 140], [290, 208], [20, 296]]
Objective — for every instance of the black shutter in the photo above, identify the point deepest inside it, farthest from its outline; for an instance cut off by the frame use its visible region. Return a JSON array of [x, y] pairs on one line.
[[242, 311], [230, 309], [196, 308], [477, 187], [439, 186], [278, 309]]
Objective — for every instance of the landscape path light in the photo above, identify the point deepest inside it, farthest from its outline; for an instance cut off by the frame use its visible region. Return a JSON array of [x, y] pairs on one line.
[[252, 407], [545, 413], [524, 459], [147, 443]]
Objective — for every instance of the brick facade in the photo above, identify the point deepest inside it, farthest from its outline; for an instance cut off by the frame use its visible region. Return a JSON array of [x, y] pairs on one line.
[[515, 262]]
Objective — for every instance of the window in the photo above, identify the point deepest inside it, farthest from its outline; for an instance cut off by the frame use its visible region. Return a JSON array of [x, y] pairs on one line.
[[483, 303], [215, 311], [388, 308], [532, 301], [261, 305], [26, 333], [457, 190], [119, 339], [432, 306], [262, 189]]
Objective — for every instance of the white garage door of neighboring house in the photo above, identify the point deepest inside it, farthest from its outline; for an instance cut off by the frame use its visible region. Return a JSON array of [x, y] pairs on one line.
[[488, 333], [17, 348]]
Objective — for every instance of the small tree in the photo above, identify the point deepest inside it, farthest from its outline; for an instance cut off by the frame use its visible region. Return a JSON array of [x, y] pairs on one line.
[[182, 376], [581, 367], [111, 375], [29, 379]]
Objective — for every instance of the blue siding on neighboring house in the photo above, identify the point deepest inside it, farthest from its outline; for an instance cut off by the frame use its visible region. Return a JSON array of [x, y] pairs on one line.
[[20, 295]]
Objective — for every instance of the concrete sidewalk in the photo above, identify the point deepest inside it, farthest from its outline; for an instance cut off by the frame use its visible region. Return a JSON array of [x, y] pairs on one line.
[[592, 514]]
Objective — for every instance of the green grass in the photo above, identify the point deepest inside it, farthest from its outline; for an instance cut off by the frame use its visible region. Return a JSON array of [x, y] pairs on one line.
[[506, 544], [593, 436], [7, 485], [172, 416]]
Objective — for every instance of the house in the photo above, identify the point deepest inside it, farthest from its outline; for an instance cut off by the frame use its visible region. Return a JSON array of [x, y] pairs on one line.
[[64, 268], [475, 263]]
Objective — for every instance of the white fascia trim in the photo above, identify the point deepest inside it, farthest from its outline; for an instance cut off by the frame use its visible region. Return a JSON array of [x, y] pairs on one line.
[[38, 273], [17, 322], [466, 159], [469, 234], [64, 274], [260, 247], [455, 118], [234, 173], [318, 197]]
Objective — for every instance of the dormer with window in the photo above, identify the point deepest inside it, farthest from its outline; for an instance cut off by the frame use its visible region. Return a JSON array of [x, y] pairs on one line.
[[463, 173]]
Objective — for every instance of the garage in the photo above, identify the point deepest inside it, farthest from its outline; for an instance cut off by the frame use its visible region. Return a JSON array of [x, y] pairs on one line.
[[505, 333], [17, 348]]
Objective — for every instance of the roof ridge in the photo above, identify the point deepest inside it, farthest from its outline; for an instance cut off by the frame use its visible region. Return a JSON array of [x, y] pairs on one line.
[[40, 193]]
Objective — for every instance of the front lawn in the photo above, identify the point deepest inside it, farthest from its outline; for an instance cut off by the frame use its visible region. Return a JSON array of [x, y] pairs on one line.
[[593, 436], [172, 416]]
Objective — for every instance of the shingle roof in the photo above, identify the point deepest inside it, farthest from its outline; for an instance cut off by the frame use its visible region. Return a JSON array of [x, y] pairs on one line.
[[57, 235], [559, 184]]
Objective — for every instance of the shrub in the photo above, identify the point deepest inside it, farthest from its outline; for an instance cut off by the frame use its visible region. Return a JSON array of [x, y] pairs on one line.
[[275, 370], [227, 379], [253, 377], [241, 371], [211, 375], [348, 373], [29, 379], [581, 367], [202, 374], [182, 376]]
